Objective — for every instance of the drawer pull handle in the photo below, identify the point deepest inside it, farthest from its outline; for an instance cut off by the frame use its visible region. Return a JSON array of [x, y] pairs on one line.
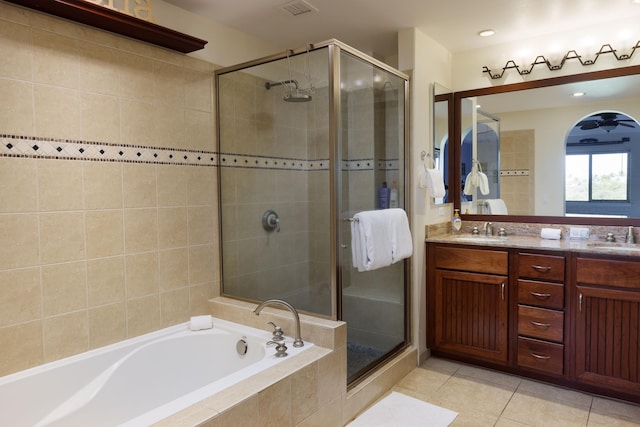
[[540, 356], [541, 268], [541, 325], [539, 295]]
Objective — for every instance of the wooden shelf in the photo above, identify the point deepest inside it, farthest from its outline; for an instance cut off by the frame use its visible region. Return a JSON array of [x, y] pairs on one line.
[[87, 13]]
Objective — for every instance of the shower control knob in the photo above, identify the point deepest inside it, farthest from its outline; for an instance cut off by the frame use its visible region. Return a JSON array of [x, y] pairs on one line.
[[281, 349], [278, 335], [271, 221]]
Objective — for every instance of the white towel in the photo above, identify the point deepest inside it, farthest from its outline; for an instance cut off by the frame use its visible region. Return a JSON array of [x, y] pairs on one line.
[[472, 181], [380, 238], [401, 244], [496, 206], [551, 233], [433, 181], [483, 183]]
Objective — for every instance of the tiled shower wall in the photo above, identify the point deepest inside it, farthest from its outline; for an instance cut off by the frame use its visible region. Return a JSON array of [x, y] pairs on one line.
[[274, 155], [517, 164], [107, 188]]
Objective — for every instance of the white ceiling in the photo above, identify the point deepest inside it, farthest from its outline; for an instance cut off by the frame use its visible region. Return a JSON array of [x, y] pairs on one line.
[[372, 25]]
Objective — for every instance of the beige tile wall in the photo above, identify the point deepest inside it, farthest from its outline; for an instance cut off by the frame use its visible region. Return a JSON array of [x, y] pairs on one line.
[[94, 252], [517, 153], [257, 122]]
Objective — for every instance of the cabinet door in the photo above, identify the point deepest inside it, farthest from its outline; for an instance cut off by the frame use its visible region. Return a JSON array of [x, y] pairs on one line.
[[607, 342], [471, 312]]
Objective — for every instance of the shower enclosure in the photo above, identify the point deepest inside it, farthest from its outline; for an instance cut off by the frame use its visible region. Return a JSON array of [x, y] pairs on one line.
[[305, 139]]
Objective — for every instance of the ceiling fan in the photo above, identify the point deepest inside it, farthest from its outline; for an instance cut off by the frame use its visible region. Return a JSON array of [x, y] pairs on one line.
[[606, 121]]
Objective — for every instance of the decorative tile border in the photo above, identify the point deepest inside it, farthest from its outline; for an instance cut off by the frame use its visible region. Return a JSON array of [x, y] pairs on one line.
[[21, 146], [247, 161], [48, 148], [514, 172]]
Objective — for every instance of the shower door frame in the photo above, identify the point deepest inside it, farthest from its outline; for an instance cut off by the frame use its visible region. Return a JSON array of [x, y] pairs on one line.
[[335, 125], [334, 48]]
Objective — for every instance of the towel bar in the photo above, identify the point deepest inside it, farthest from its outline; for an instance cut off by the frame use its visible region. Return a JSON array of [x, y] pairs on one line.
[[352, 219]]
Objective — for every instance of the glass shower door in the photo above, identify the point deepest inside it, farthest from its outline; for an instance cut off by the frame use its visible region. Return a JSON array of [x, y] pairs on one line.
[[370, 155]]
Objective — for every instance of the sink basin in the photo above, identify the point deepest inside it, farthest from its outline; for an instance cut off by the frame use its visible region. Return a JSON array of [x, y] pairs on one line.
[[623, 247], [480, 238]]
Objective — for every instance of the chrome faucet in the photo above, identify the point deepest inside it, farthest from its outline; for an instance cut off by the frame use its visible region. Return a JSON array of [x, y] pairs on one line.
[[297, 341], [488, 228], [629, 237]]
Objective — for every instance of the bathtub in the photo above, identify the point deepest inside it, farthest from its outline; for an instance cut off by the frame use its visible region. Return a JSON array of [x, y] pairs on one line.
[[138, 381]]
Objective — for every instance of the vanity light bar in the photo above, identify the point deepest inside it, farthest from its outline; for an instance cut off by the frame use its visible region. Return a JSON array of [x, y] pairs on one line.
[[572, 54]]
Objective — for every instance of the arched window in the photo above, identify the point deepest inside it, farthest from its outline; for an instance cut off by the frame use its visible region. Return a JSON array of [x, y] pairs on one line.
[[598, 165]]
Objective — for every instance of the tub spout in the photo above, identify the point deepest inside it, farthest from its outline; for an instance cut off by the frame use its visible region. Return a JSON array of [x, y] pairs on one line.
[[297, 342]]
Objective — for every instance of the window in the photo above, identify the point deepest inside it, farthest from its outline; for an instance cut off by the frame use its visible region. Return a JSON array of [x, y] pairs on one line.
[[597, 177]]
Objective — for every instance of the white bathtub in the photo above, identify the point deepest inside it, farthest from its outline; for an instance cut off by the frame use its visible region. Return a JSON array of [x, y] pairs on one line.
[[138, 381]]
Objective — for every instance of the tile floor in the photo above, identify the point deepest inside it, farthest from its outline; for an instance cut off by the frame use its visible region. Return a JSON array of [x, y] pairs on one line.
[[488, 398]]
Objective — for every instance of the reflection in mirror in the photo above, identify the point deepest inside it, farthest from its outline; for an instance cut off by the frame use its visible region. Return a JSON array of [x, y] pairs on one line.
[[602, 159], [537, 120], [442, 104]]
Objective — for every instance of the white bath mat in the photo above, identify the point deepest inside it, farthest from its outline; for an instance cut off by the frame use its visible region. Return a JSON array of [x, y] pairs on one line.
[[400, 410]]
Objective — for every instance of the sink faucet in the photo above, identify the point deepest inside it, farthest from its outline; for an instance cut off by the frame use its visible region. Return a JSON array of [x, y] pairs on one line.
[[488, 228], [297, 342], [629, 237]]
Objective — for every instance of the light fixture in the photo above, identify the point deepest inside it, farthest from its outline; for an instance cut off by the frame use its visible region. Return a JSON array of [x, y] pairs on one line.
[[578, 94], [486, 33], [572, 54]]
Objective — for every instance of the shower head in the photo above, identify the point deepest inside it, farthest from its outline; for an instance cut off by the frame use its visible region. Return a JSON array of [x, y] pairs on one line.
[[295, 95]]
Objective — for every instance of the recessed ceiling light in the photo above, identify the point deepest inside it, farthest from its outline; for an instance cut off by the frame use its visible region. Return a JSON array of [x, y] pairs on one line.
[[486, 33], [579, 94], [635, 1]]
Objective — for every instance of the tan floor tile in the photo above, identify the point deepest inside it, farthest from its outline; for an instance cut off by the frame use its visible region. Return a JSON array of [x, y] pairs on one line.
[[489, 376], [597, 419], [475, 419], [541, 412], [423, 382], [557, 394], [440, 365], [505, 422], [463, 394], [629, 410]]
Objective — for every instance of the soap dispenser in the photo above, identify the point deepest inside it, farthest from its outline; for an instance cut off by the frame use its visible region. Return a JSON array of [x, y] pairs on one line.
[[456, 222], [393, 195]]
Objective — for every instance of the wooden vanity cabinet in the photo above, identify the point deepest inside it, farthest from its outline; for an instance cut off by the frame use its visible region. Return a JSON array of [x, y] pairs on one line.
[[607, 326], [469, 302], [540, 310], [572, 319]]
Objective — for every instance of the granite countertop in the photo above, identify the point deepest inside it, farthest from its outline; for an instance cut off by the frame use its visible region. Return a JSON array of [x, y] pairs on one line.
[[535, 242]]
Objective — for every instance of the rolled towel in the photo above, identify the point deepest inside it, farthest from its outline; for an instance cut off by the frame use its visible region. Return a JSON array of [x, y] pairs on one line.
[[551, 233], [201, 322]]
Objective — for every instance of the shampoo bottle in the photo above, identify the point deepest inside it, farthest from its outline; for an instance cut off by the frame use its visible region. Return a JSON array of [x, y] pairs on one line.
[[384, 195], [456, 222], [393, 195]]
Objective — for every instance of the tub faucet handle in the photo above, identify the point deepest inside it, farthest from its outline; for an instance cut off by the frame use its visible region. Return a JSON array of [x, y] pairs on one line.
[[278, 335], [281, 349]]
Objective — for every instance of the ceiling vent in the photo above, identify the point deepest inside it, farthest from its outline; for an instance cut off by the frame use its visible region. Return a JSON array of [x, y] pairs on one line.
[[298, 7]]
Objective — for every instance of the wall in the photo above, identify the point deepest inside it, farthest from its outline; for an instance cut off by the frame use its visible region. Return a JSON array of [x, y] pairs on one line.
[[427, 62], [467, 65], [108, 189]]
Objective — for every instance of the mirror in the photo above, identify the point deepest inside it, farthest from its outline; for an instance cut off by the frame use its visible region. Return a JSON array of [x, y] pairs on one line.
[[535, 119], [442, 123]]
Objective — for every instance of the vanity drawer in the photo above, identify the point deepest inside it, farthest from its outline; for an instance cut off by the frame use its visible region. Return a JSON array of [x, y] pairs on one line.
[[608, 272], [536, 266], [541, 294], [541, 355], [474, 260], [541, 323]]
